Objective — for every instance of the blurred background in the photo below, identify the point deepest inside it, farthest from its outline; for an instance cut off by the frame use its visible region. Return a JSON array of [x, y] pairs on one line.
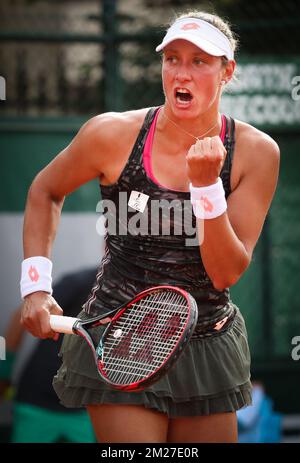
[[65, 61]]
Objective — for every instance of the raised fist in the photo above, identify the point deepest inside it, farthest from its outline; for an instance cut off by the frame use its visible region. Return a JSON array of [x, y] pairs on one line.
[[205, 160]]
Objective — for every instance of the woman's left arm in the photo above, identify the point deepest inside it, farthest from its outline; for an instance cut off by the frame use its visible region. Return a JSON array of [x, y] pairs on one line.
[[229, 240]]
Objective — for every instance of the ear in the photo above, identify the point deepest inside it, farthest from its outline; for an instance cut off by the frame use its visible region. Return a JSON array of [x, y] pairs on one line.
[[229, 71]]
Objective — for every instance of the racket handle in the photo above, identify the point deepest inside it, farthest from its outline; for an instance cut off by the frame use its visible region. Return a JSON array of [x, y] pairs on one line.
[[62, 324]]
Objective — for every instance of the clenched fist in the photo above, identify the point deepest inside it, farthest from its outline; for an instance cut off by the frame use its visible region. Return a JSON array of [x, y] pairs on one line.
[[205, 160]]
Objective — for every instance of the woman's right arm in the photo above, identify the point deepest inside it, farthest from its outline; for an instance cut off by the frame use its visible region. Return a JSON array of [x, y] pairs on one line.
[[77, 164]]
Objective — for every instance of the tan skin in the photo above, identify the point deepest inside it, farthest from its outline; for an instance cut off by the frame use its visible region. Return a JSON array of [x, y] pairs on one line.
[[101, 150]]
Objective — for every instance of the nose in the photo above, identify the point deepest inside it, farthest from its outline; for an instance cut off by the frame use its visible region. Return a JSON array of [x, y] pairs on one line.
[[183, 74]]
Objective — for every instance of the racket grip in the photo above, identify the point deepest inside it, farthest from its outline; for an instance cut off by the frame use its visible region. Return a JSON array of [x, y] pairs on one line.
[[62, 324]]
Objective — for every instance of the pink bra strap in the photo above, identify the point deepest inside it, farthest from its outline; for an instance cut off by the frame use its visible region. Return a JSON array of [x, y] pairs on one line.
[[149, 142], [223, 128], [148, 150]]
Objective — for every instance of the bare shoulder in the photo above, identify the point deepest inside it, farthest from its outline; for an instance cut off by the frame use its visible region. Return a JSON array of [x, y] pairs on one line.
[[253, 180], [255, 148], [105, 141], [109, 127]]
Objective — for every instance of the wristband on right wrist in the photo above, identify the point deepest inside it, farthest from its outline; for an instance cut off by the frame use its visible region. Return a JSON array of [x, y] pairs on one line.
[[36, 275]]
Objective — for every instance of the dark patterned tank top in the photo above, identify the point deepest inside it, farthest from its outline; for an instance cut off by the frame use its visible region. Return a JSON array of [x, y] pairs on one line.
[[151, 237]]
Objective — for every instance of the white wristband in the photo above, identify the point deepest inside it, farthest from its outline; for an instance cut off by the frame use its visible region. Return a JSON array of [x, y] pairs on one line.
[[36, 275], [209, 201]]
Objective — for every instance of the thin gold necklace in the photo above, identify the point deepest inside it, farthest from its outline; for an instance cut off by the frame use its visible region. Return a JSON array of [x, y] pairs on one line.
[[188, 133]]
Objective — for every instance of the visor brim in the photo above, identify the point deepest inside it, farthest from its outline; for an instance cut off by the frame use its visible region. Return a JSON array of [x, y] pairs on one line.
[[200, 42]]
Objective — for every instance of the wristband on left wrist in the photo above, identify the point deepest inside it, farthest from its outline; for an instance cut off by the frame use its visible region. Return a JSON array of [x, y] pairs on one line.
[[208, 202]]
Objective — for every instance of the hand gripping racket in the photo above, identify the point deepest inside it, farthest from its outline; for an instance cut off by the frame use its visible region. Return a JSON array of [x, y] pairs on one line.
[[143, 338]]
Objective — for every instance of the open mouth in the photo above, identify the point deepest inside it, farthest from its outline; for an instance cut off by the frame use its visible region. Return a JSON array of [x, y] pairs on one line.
[[183, 95]]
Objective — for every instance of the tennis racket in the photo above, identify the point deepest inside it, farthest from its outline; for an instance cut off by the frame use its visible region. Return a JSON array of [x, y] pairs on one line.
[[143, 338]]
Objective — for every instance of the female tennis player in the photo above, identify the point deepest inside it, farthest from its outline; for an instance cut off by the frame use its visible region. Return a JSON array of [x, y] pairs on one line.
[[187, 155]]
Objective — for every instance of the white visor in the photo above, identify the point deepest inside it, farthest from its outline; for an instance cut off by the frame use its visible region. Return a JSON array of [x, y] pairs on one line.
[[200, 33]]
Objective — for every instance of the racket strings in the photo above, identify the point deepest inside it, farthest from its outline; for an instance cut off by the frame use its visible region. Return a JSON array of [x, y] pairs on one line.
[[131, 360], [140, 320], [144, 336], [130, 320]]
